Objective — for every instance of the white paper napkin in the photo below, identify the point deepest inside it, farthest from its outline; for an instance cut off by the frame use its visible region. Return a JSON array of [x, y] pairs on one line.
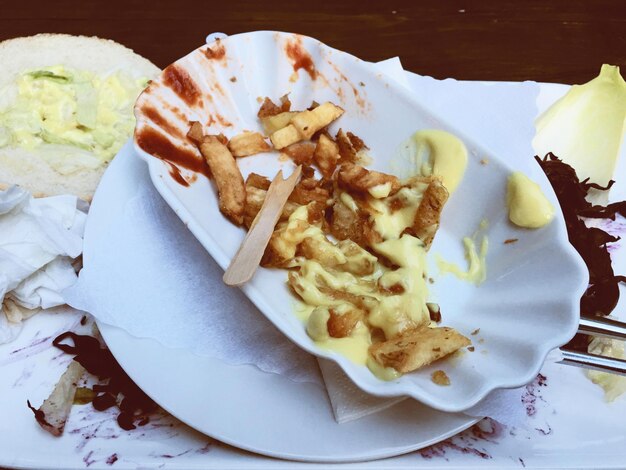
[[38, 240]]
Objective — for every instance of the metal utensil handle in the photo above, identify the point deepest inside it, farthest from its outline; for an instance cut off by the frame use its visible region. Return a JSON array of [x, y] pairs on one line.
[[593, 361], [602, 327]]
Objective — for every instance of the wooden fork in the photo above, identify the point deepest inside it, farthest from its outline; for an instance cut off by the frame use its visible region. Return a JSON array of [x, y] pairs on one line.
[[248, 257]]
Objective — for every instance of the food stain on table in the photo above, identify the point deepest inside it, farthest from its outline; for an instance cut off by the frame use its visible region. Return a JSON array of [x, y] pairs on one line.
[[471, 441]]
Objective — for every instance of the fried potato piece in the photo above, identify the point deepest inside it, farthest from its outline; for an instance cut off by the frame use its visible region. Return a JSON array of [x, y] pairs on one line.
[[323, 251], [284, 137], [417, 348], [309, 122], [364, 302], [343, 319], [195, 133], [357, 178], [258, 181], [301, 152], [353, 225], [283, 244], [428, 213], [326, 155], [308, 190], [279, 252], [346, 151], [247, 143], [269, 108], [358, 260], [273, 123], [349, 146], [357, 142], [230, 186]]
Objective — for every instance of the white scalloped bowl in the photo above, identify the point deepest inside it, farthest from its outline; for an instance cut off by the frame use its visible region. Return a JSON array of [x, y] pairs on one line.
[[527, 306]]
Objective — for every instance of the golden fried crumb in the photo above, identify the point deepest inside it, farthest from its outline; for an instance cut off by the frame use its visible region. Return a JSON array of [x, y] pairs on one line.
[[440, 378]]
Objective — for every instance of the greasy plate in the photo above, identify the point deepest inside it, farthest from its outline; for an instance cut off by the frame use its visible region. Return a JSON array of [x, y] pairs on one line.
[[529, 303]]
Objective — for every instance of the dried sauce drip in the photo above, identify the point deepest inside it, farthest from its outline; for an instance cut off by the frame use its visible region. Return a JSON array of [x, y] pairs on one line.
[[223, 121], [182, 84], [217, 52], [135, 406], [157, 144], [602, 295], [157, 118], [175, 173], [300, 58]]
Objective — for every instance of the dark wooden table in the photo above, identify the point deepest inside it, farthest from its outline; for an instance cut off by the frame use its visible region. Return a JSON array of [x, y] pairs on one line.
[[559, 41]]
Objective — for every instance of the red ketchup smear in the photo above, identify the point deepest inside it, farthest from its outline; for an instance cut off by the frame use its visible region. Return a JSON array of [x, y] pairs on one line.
[[217, 52], [155, 143], [301, 59], [157, 118], [179, 80]]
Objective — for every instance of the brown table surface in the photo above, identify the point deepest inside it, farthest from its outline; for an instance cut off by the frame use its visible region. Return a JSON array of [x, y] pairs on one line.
[[558, 41]]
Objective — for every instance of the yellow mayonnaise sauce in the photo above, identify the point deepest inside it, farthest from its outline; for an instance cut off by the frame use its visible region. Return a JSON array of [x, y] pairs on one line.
[[440, 153], [394, 297], [476, 272], [390, 224], [528, 206]]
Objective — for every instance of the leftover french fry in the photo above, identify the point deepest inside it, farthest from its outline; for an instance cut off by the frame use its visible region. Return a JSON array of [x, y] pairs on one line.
[[269, 108], [284, 137], [230, 186], [348, 224], [357, 178], [301, 152], [276, 122], [195, 133], [429, 211], [343, 320], [308, 123], [247, 143], [326, 155], [417, 348]]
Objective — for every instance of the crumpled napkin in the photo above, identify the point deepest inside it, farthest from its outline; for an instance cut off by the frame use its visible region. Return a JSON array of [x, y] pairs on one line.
[[38, 240]]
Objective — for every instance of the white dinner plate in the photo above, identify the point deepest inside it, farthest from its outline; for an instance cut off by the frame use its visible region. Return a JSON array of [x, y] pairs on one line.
[[240, 405]]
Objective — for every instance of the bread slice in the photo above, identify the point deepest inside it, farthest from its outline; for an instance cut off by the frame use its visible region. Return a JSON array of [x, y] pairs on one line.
[[28, 168]]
